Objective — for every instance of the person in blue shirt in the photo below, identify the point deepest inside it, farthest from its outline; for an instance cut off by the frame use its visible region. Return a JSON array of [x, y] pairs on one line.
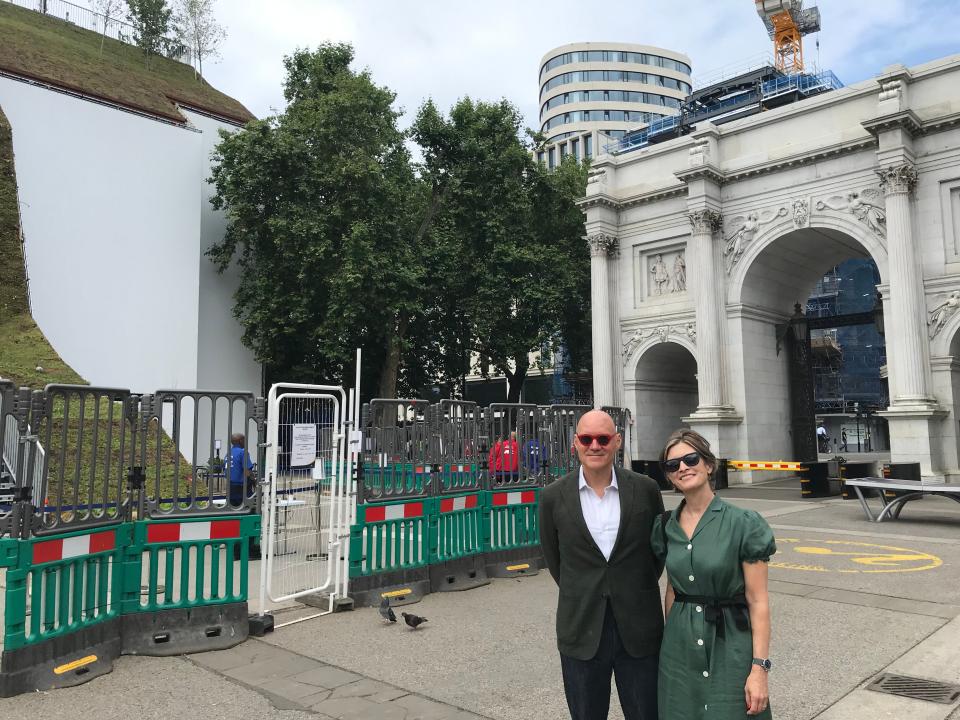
[[240, 467], [535, 456]]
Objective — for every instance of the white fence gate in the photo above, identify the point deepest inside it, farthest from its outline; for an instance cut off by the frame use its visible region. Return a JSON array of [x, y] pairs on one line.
[[307, 496]]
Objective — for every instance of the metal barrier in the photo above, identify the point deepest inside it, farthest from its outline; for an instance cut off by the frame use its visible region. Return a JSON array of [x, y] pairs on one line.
[[509, 427], [456, 447], [561, 426], [196, 423], [396, 451], [89, 435], [624, 424]]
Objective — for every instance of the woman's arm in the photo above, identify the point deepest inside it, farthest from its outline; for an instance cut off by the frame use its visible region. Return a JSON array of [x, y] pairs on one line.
[[667, 600], [755, 578]]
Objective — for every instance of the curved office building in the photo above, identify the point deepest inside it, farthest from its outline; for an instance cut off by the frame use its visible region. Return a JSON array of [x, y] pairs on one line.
[[593, 93]]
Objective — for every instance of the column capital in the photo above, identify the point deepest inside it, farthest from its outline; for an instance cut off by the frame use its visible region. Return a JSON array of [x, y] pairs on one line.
[[898, 179], [601, 244], [705, 221]]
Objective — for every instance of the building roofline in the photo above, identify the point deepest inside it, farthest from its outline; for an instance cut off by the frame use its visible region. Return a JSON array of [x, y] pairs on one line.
[[629, 47]]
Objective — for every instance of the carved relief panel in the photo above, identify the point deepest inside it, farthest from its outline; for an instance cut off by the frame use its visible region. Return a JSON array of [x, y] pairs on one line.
[[661, 272]]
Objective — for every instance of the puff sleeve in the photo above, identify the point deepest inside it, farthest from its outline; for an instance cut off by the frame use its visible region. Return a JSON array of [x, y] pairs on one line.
[[757, 543]]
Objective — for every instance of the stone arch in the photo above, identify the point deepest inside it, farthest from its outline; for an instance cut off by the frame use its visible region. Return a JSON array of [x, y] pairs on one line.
[[661, 389], [630, 371], [837, 231], [947, 341]]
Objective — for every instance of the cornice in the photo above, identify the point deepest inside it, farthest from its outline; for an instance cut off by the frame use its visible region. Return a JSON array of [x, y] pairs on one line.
[[905, 120], [941, 284], [802, 159], [752, 312], [703, 172], [598, 200], [653, 196]]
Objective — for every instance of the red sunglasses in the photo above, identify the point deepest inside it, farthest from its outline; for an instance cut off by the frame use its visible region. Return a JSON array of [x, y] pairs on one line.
[[587, 440]]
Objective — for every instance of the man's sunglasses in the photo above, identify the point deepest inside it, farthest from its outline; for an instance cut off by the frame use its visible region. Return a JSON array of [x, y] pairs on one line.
[[587, 440], [690, 460]]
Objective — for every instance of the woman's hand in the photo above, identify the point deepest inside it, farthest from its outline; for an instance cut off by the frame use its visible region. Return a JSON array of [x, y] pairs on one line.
[[756, 691]]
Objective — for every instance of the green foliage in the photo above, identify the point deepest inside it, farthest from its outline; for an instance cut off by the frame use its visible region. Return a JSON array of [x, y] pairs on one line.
[[151, 22], [342, 241]]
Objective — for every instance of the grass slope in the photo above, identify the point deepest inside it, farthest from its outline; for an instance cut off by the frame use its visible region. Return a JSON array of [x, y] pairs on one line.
[[45, 48]]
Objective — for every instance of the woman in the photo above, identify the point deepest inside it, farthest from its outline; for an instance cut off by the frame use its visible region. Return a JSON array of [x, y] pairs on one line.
[[714, 658]]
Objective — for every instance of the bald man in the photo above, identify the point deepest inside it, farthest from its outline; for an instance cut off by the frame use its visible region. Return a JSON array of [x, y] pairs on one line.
[[595, 528]]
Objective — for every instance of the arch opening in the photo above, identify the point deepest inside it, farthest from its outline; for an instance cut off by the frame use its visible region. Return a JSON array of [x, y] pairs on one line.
[[665, 389]]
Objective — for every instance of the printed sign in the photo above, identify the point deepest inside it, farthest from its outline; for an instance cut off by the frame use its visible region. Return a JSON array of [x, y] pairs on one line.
[[303, 449]]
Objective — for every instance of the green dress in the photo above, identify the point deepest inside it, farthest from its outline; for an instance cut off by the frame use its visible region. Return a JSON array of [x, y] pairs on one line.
[[702, 675]]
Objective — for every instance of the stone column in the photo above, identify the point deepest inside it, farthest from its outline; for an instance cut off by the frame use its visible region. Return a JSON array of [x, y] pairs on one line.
[[704, 223], [906, 294], [601, 247]]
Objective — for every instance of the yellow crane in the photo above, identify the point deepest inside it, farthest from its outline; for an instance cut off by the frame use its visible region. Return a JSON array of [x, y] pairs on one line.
[[787, 21]]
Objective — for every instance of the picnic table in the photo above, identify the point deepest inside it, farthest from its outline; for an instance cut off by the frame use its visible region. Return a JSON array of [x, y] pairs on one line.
[[912, 489]]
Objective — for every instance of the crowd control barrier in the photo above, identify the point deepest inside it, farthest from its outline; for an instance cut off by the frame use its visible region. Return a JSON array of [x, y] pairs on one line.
[[114, 540]]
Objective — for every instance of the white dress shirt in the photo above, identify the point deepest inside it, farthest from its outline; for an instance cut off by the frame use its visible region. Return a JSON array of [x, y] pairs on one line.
[[602, 514]]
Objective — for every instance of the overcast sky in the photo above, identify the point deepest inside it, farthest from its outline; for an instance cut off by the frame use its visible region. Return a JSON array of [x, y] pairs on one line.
[[446, 49]]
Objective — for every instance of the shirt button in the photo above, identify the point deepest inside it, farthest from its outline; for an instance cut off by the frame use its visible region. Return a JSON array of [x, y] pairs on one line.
[[700, 641], [691, 578], [704, 707], [706, 674], [699, 609], [689, 546]]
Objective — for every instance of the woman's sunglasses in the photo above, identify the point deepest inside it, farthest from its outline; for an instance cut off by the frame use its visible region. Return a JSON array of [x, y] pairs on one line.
[[690, 460], [587, 440]]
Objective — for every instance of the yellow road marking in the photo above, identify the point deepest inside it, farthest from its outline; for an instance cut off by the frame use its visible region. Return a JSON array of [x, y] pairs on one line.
[[524, 566], [396, 593], [872, 559]]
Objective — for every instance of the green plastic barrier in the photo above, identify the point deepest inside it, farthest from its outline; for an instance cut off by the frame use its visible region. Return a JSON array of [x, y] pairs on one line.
[[512, 544]]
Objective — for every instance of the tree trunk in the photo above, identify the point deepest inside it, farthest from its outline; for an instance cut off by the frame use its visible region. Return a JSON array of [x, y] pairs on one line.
[[515, 381], [391, 363]]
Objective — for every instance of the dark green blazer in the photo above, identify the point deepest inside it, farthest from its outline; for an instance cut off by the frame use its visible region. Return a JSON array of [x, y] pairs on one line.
[[587, 580]]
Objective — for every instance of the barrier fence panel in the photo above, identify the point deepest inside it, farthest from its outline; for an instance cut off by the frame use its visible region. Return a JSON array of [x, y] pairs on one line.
[[63, 599], [185, 585], [88, 435], [396, 450], [621, 418], [306, 507], [560, 426], [187, 452], [513, 534], [456, 446], [390, 551], [457, 562], [510, 428]]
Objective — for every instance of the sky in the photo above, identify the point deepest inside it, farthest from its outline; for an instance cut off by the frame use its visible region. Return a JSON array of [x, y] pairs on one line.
[[491, 50]]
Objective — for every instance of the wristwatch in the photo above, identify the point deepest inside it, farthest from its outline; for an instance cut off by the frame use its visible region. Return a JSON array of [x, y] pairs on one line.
[[764, 663]]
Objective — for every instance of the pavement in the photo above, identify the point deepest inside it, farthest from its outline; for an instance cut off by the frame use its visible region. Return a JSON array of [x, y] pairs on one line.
[[850, 599]]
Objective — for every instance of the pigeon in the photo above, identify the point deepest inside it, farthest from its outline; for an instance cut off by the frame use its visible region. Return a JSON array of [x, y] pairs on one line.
[[413, 620], [386, 612]]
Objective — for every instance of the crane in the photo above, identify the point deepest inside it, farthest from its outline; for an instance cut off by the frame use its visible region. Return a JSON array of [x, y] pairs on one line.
[[787, 22]]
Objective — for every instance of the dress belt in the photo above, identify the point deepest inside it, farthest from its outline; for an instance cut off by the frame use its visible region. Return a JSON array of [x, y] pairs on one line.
[[714, 607]]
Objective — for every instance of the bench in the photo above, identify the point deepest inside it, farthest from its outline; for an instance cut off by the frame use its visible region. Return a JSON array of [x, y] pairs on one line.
[[913, 489]]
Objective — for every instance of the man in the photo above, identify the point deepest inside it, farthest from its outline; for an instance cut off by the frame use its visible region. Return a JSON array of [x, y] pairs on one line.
[[240, 467], [595, 528], [822, 440]]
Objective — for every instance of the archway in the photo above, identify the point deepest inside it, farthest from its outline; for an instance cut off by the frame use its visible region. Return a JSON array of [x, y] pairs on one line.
[[829, 272], [664, 391]]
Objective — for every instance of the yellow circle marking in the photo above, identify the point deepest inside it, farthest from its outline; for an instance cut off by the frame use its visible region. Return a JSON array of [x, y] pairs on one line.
[[863, 557]]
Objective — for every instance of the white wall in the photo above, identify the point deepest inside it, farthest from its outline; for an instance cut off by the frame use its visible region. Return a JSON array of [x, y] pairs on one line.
[[116, 221]]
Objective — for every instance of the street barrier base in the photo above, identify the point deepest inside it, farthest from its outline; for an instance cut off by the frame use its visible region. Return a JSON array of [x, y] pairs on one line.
[[185, 630], [460, 574], [514, 562], [62, 661], [403, 587], [260, 625]]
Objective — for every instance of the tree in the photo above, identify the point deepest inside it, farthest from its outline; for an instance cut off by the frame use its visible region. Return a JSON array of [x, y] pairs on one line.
[[108, 9], [513, 238], [197, 28], [323, 209], [151, 22]]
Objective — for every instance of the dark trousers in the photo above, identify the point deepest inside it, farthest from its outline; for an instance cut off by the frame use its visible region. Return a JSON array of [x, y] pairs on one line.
[[587, 682]]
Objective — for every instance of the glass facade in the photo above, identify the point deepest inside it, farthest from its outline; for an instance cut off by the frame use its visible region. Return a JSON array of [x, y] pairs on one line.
[[575, 148], [615, 76], [614, 56], [630, 116], [591, 96], [551, 158], [588, 146]]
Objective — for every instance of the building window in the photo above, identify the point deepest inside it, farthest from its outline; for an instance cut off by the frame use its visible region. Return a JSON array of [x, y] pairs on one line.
[[541, 157], [551, 159], [575, 148], [563, 151], [588, 146]]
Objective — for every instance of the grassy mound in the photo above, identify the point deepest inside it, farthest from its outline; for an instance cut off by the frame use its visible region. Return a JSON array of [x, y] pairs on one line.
[[60, 53]]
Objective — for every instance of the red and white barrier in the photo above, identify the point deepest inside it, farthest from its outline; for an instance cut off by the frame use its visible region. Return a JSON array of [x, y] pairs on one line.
[[520, 497], [379, 513], [65, 548], [449, 505], [192, 531]]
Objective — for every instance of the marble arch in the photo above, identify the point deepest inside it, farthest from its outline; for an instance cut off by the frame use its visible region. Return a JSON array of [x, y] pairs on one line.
[[871, 169]]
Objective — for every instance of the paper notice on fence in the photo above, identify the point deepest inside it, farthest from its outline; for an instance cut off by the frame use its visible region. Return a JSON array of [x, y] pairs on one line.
[[303, 448]]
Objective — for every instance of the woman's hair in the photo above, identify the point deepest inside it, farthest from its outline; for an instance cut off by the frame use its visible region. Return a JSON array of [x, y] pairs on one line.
[[695, 440]]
